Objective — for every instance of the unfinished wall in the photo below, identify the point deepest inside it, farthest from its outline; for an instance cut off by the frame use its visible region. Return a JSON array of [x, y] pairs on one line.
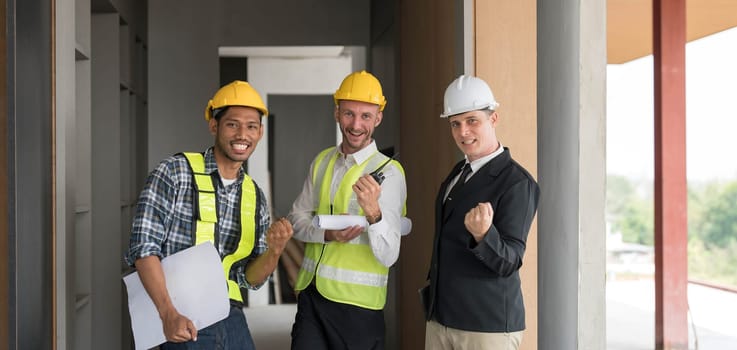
[[426, 67], [183, 61], [505, 57]]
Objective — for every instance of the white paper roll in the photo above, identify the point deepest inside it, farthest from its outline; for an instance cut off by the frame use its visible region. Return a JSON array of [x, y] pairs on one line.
[[339, 222]]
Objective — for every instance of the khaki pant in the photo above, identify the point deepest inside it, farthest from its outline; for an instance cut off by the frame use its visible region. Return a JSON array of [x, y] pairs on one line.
[[439, 337]]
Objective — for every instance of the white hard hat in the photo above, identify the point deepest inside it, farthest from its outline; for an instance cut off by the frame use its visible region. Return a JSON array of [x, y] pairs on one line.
[[465, 94]]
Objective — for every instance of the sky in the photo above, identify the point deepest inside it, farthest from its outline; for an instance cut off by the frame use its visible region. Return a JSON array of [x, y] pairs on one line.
[[711, 113]]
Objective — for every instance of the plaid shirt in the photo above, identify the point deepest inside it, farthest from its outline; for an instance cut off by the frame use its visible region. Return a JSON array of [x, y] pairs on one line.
[[163, 222]]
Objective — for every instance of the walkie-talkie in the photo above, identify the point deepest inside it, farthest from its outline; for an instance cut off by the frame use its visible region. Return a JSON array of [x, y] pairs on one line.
[[377, 174]]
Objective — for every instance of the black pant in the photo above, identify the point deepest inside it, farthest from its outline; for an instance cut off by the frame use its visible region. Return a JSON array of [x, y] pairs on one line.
[[324, 324]]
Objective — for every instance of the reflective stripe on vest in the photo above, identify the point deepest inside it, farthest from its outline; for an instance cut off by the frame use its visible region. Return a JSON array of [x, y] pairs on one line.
[[344, 272], [206, 217]]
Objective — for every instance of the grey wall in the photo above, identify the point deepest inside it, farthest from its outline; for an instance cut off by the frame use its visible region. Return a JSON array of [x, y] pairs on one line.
[[183, 59], [383, 64], [290, 22], [182, 75], [302, 126], [106, 182], [133, 13]]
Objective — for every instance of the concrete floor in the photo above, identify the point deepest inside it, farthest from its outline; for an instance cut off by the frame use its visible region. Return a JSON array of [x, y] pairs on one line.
[[271, 325], [630, 319]]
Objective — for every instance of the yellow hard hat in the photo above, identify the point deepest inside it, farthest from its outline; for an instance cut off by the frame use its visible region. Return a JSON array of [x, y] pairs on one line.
[[237, 93], [361, 86]]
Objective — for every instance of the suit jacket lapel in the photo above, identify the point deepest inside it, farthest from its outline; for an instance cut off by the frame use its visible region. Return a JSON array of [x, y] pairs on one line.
[[444, 188], [483, 175]]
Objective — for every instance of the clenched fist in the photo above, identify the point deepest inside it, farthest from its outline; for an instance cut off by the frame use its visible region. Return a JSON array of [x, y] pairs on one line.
[[278, 234], [478, 220]]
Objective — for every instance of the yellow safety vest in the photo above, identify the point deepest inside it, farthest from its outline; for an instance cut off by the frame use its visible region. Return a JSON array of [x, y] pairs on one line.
[[206, 217], [348, 272]]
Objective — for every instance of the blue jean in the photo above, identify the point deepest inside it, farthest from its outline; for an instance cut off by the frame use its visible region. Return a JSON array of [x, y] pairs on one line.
[[229, 334]]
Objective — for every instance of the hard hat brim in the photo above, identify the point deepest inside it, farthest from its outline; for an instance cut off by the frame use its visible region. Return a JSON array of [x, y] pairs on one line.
[[490, 106]]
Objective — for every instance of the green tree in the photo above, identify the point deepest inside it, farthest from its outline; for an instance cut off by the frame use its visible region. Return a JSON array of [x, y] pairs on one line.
[[629, 211], [716, 264], [717, 225], [712, 241]]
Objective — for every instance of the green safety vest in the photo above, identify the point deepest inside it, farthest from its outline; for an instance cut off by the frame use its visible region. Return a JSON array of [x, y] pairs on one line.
[[348, 272], [205, 207]]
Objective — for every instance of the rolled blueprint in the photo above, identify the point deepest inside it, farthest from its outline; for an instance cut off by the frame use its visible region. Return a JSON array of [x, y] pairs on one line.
[[339, 222]]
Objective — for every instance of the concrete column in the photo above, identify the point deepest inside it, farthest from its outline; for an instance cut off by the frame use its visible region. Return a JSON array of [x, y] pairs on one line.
[[571, 64], [29, 164], [65, 147]]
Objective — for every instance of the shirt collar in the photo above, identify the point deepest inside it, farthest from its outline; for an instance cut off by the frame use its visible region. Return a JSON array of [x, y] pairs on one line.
[[212, 166], [478, 163], [361, 155]]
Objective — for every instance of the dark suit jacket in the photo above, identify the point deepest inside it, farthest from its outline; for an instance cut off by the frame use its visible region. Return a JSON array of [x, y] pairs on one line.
[[476, 287]]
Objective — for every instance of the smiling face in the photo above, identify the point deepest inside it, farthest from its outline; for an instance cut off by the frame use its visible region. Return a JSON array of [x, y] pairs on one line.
[[236, 134], [474, 133], [357, 121]]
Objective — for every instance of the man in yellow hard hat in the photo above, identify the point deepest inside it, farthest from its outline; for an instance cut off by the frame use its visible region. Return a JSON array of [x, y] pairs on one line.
[[483, 211], [173, 214], [342, 282]]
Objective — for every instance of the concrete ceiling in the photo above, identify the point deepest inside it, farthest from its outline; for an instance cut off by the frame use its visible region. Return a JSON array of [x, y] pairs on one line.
[[629, 25]]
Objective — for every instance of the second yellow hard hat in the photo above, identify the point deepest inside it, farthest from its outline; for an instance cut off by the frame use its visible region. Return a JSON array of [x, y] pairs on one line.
[[361, 86]]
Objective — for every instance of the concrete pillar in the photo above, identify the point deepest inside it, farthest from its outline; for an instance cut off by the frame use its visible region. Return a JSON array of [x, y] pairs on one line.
[[65, 147], [571, 64]]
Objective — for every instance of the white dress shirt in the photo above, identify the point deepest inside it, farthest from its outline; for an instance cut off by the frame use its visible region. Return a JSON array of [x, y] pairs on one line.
[[475, 166], [384, 236]]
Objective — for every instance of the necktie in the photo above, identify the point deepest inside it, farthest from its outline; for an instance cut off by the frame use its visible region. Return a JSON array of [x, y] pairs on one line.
[[461, 181]]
